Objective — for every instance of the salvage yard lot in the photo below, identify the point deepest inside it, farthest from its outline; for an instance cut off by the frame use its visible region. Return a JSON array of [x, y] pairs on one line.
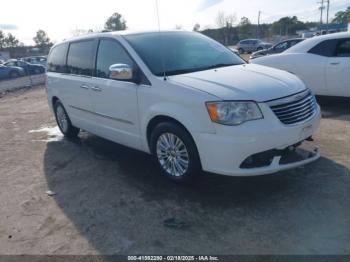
[[109, 199]]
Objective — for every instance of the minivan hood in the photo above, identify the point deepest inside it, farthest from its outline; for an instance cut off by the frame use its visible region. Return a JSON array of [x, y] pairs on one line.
[[243, 82]]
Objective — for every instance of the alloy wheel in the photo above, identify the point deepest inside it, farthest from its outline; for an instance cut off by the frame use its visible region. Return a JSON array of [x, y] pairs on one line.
[[62, 118], [172, 154]]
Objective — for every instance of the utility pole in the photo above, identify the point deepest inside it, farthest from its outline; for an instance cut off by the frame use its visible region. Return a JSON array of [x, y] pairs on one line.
[[328, 3], [321, 9], [259, 15]]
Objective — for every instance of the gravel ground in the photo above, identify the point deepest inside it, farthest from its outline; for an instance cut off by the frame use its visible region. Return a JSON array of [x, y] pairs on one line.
[[108, 199]]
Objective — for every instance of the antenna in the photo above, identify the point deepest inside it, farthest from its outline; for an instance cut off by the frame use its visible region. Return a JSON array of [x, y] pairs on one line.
[[161, 42]]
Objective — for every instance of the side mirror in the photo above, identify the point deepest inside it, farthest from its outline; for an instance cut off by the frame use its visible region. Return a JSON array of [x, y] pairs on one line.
[[121, 72]]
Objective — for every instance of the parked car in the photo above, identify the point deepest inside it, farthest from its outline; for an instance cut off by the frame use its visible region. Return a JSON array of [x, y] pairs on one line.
[[187, 100], [278, 48], [322, 62], [30, 69], [35, 60], [252, 45], [7, 72], [235, 51]]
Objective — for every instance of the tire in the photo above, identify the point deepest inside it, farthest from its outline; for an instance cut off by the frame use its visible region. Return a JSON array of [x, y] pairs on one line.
[[63, 121], [175, 168], [14, 74], [241, 51]]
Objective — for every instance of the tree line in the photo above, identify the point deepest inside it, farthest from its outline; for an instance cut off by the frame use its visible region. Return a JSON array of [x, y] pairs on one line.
[[229, 34], [41, 40], [228, 31]]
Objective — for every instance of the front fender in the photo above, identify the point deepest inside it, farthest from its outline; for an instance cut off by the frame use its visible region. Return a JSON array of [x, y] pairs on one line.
[[195, 119]]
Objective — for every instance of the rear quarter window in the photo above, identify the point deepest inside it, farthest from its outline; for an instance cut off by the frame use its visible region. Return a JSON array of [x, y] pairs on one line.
[[57, 59], [80, 59], [343, 48]]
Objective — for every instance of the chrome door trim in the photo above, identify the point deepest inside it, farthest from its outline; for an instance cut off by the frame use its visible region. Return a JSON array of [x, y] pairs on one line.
[[104, 116], [83, 86], [96, 89]]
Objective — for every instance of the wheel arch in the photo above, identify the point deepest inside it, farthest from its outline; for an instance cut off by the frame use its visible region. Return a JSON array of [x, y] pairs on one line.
[[54, 99], [193, 119], [156, 120]]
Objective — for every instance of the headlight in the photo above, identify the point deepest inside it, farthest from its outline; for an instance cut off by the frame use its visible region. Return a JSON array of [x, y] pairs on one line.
[[233, 113]]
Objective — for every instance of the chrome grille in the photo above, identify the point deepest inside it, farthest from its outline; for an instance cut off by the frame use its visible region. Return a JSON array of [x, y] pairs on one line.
[[294, 109]]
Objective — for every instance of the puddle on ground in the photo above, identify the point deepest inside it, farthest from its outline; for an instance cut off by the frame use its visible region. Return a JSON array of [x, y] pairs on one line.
[[53, 134]]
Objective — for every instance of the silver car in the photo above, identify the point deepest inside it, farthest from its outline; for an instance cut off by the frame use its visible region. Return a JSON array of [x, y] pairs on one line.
[[278, 48], [252, 45]]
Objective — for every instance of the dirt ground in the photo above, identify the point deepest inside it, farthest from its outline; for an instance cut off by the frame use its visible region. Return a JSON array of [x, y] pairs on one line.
[[109, 199]]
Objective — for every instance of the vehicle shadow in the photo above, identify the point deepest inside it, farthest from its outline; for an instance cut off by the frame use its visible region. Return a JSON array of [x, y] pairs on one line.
[[118, 201], [335, 107]]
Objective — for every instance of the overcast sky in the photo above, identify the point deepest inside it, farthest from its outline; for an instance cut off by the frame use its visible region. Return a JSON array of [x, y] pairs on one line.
[[60, 17]]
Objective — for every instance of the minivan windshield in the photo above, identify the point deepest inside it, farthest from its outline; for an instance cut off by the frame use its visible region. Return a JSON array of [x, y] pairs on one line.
[[175, 53]]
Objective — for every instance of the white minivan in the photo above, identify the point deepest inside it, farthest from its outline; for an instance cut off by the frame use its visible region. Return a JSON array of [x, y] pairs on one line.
[[184, 98]]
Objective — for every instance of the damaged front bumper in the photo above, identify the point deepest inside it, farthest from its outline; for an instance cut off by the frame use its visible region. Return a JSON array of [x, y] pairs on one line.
[[273, 161]]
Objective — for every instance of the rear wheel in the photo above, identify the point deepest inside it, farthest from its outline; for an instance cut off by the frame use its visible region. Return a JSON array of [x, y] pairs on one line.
[[175, 152], [64, 122]]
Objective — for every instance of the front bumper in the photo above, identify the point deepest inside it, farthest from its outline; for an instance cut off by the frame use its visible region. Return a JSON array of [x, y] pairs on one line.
[[226, 151]]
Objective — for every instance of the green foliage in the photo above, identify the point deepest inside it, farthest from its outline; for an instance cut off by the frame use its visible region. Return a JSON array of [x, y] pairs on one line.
[[8, 40], [196, 27], [342, 17], [2, 39], [245, 28], [287, 26], [42, 40], [226, 36], [115, 23]]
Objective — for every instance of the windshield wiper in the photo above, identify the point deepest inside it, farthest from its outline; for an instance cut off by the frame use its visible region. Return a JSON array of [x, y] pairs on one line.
[[191, 70], [218, 66], [179, 72]]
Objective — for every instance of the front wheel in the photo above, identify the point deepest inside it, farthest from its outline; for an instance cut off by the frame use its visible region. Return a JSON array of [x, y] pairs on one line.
[[175, 152], [63, 121]]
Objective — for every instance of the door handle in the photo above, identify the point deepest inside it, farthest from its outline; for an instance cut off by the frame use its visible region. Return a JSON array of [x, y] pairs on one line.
[[84, 86], [335, 63], [96, 89]]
